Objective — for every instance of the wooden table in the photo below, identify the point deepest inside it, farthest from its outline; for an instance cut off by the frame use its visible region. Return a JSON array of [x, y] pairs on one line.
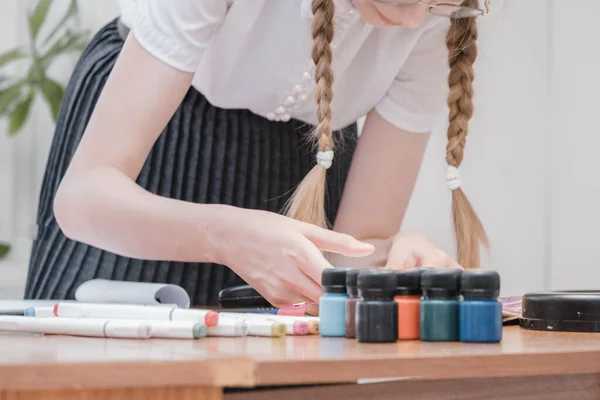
[[526, 365]]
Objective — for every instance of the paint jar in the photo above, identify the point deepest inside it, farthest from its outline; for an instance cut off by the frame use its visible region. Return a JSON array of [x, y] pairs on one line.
[[480, 310], [352, 292], [376, 310], [332, 305], [440, 305], [408, 297]]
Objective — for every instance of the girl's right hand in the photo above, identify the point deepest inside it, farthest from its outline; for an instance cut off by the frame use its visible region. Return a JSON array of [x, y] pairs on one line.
[[279, 256]]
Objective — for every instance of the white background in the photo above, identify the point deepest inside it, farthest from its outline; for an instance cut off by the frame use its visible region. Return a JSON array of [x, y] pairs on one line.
[[531, 157]]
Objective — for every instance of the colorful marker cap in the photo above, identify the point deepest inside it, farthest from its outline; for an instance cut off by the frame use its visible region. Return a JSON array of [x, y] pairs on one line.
[[300, 328], [408, 282], [440, 283], [278, 329], [351, 278], [200, 331], [480, 284], [211, 318], [313, 327], [333, 280], [376, 282]]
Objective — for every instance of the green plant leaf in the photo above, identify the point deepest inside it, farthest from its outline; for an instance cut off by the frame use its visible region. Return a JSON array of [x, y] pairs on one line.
[[19, 114], [4, 250], [8, 96], [37, 18], [53, 93], [71, 12], [68, 42], [10, 56]]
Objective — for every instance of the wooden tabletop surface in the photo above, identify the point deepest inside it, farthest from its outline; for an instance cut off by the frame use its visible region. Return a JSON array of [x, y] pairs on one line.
[[63, 362]]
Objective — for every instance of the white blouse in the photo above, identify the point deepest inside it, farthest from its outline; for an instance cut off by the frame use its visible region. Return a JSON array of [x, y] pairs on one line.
[[256, 55]]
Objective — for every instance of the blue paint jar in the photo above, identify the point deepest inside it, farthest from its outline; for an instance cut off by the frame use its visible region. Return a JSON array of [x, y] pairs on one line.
[[332, 305], [480, 310], [376, 310], [440, 305]]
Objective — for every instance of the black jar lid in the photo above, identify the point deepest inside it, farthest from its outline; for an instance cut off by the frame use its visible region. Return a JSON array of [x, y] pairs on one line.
[[441, 283], [376, 282], [566, 311], [333, 280], [408, 282], [480, 284], [351, 281]]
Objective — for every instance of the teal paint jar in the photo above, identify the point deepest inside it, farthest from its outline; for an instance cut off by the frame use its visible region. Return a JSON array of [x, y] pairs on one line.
[[440, 305]]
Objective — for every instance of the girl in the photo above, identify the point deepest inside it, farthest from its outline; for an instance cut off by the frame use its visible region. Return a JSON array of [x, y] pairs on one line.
[[151, 180]]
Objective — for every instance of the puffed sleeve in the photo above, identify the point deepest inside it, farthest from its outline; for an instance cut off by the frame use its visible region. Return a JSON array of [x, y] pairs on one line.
[[177, 32], [416, 99]]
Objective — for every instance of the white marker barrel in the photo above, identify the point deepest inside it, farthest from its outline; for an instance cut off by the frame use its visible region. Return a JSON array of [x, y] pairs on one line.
[[294, 325], [178, 329], [77, 327], [266, 328], [112, 311], [229, 328], [40, 312], [127, 329], [208, 317]]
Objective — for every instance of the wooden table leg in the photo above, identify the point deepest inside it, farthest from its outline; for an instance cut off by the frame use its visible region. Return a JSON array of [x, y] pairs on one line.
[[170, 393], [560, 387]]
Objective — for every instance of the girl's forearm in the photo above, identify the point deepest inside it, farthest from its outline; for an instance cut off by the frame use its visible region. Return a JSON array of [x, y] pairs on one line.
[[105, 209]]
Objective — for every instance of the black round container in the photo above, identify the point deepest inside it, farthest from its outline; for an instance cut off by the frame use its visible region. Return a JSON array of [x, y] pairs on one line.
[[333, 280], [563, 311], [376, 310]]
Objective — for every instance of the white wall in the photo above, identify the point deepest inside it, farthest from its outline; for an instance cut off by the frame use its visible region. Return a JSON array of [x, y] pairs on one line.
[[23, 158], [574, 147], [530, 158]]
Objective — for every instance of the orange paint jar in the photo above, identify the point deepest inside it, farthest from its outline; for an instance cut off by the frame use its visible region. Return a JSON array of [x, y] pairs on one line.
[[408, 297]]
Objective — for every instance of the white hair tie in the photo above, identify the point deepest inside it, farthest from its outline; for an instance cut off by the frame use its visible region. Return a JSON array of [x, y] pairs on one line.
[[453, 178], [325, 159]]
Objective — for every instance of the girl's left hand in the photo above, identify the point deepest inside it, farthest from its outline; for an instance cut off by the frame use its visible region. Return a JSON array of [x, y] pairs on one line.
[[410, 249]]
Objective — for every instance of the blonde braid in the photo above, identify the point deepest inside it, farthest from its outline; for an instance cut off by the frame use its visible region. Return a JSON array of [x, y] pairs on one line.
[[461, 44], [307, 204]]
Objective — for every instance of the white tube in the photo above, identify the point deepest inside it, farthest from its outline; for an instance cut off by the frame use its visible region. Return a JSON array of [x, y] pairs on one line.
[[229, 328], [40, 312], [178, 329], [112, 311], [208, 317], [77, 327], [295, 326]]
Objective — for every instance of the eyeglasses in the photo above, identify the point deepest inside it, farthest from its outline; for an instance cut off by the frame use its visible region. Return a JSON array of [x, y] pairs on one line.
[[447, 10]]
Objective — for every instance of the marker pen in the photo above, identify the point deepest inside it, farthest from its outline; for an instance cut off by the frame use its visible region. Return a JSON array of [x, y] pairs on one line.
[[137, 312], [78, 327], [257, 326], [295, 326], [229, 328], [313, 327], [40, 312], [178, 329]]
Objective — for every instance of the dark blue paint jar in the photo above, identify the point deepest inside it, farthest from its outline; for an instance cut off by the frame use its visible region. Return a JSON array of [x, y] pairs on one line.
[[440, 305], [376, 309], [480, 310]]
